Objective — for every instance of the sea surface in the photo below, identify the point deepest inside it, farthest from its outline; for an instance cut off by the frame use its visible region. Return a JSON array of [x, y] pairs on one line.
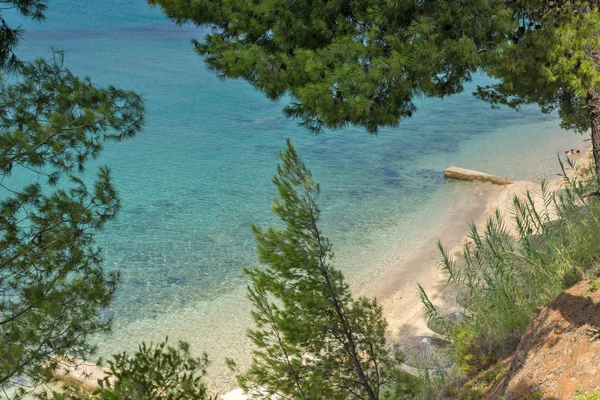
[[200, 174]]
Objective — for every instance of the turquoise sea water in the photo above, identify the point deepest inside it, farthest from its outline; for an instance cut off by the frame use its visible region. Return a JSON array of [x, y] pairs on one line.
[[200, 174]]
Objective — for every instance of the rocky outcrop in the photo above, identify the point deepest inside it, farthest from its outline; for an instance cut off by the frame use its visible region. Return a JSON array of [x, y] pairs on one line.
[[559, 356], [83, 374], [470, 175]]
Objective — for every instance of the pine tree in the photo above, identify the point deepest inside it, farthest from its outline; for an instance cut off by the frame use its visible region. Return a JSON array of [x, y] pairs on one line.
[[364, 62], [551, 58], [341, 62], [313, 339], [52, 284], [154, 372], [9, 36]]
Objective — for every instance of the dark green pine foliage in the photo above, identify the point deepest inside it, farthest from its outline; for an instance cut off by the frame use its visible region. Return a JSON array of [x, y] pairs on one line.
[[342, 62], [363, 62], [52, 284], [154, 372], [313, 339], [9, 35], [551, 57], [53, 288]]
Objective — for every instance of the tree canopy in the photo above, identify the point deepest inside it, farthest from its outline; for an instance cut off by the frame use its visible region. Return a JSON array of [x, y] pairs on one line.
[[52, 284], [365, 62], [342, 62], [154, 372]]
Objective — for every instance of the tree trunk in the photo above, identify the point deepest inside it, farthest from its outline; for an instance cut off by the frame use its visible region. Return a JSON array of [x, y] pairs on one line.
[[338, 308], [594, 104]]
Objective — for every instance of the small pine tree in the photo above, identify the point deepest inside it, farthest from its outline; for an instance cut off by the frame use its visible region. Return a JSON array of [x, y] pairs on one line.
[[154, 372], [313, 339], [53, 287]]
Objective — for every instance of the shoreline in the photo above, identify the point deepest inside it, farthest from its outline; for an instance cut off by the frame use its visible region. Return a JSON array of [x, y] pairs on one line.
[[387, 270], [397, 291]]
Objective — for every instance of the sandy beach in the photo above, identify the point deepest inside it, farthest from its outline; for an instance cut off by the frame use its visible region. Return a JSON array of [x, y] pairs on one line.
[[397, 289]]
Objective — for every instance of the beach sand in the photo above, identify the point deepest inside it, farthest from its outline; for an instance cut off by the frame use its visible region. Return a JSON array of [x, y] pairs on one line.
[[397, 289]]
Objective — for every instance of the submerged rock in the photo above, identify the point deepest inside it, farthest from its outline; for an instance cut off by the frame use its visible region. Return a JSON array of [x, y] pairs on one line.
[[470, 175]]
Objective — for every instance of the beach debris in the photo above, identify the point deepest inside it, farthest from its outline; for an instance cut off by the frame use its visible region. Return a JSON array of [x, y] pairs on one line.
[[425, 352], [470, 175]]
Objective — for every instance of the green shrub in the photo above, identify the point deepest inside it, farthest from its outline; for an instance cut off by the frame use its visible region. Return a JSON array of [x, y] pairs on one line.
[[154, 372], [474, 395], [503, 279], [469, 354], [595, 395]]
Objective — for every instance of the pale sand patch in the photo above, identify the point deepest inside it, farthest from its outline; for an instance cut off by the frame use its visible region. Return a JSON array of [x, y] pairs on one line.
[[397, 289]]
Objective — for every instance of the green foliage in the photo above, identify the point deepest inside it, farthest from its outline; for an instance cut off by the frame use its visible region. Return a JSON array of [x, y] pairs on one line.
[[549, 61], [595, 395], [344, 62], [364, 62], [593, 286], [9, 36], [485, 382], [52, 284], [535, 395], [154, 372], [496, 374], [468, 352], [313, 340], [502, 279], [474, 395]]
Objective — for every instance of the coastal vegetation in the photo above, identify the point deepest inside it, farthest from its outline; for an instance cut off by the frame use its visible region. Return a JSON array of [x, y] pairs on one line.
[[363, 63], [343, 63], [312, 339], [589, 396], [53, 287], [154, 372], [513, 267]]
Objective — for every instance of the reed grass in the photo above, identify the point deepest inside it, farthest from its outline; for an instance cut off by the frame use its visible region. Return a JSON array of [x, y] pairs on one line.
[[503, 276]]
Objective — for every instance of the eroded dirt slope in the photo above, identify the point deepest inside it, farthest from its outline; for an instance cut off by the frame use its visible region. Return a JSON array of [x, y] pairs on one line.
[[559, 356]]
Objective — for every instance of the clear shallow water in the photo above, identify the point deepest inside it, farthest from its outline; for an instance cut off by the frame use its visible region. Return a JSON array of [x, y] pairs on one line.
[[200, 174]]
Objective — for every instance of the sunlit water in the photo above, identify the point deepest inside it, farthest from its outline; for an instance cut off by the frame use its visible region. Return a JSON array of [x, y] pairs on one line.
[[200, 174]]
